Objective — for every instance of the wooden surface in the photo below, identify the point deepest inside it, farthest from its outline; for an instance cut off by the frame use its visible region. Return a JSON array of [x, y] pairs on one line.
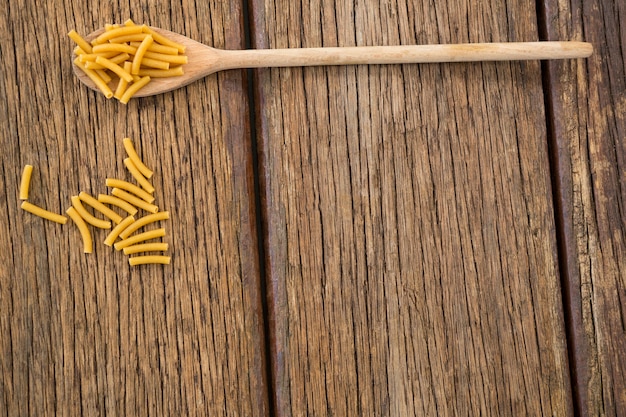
[[410, 233], [86, 334], [589, 122], [384, 240]]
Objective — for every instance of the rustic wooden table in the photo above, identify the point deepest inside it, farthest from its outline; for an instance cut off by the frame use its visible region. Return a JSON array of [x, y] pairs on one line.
[[365, 240]]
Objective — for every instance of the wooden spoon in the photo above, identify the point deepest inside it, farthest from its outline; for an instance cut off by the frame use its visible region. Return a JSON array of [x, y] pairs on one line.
[[205, 60]]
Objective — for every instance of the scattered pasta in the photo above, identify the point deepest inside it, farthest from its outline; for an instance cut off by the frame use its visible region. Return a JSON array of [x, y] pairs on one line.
[[132, 154], [145, 247], [135, 201], [112, 237], [25, 183], [122, 236], [148, 53], [127, 186], [141, 237], [86, 198], [82, 227], [118, 202], [143, 221], [88, 217], [134, 171], [149, 259], [41, 212]]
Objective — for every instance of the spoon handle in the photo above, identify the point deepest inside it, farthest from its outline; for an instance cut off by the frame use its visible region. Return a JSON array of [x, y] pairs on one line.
[[298, 57]]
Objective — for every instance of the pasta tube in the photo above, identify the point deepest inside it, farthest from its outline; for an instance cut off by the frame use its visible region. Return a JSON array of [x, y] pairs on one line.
[[132, 154], [149, 259], [125, 185], [82, 227], [41, 212], [88, 217], [135, 201], [25, 183], [116, 201], [141, 51], [110, 239], [133, 88], [152, 234], [143, 221], [134, 171], [86, 198], [146, 247]]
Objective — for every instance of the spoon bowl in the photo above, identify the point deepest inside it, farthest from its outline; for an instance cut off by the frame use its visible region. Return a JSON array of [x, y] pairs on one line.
[[204, 60], [201, 58]]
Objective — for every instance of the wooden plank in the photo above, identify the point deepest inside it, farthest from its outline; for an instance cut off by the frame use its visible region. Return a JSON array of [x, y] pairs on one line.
[[86, 334], [588, 100], [410, 246]]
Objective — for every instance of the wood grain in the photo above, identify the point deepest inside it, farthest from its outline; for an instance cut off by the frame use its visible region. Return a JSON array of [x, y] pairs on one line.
[[588, 99], [410, 239], [87, 334]]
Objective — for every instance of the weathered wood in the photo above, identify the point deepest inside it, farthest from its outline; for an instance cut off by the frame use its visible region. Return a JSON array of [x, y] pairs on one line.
[[411, 252], [588, 99], [87, 334]]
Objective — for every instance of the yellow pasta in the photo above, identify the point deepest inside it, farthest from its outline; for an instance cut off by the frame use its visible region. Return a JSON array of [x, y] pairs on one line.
[[143, 221], [118, 202], [122, 84], [153, 64], [142, 237], [124, 235], [98, 81], [151, 54], [155, 47], [145, 247], [172, 59], [96, 67], [121, 31], [114, 47], [93, 66], [88, 217], [25, 183], [164, 41], [119, 71], [125, 185], [82, 43], [120, 58], [145, 44], [138, 176], [132, 154], [104, 75], [82, 227], [158, 73], [110, 239], [136, 86], [97, 205], [115, 59], [84, 58], [41, 212], [139, 37], [149, 259], [135, 201]]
